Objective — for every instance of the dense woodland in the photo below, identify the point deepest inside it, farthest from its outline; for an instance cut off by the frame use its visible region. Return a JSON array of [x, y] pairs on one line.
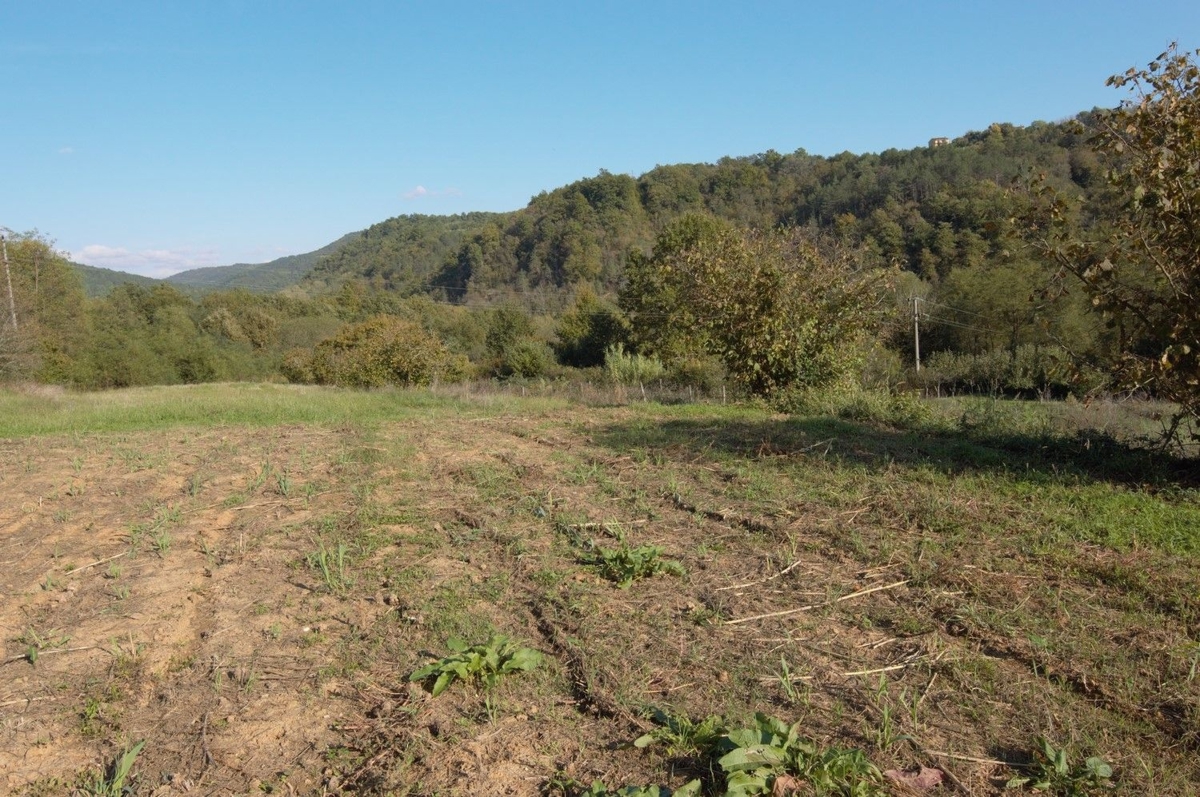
[[593, 269]]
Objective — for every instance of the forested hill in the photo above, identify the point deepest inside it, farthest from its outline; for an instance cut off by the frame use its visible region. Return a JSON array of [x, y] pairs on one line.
[[930, 209], [98, 281], [400, 254], [258, 277]]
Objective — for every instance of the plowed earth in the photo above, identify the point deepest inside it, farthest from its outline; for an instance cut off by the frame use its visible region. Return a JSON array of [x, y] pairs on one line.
[[166, 586]]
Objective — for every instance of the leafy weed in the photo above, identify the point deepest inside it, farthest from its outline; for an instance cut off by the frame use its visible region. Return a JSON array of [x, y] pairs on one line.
[[486, 663], [682, 736], [1053, 772], [625, 564]]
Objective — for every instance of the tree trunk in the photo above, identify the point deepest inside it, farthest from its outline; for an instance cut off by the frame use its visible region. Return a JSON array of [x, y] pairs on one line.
[[12, 304]]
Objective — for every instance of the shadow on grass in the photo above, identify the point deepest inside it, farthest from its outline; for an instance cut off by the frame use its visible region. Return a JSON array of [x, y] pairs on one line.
[[1085, 457]]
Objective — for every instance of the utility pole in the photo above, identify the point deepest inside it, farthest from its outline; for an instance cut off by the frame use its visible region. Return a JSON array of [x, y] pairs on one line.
[[12, 305], [917, 332]]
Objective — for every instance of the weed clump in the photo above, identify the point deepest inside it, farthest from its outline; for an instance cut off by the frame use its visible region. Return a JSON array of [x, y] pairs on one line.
[[771, 758], [625, 564], [1054, 773], [682, 736], [486, 663]]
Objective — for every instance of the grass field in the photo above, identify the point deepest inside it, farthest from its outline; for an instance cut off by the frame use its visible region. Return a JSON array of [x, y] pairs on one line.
[[245, 578]]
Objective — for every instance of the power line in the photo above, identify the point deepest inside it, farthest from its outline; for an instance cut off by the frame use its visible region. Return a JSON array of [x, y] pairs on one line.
[[956, 309], [950, 323]]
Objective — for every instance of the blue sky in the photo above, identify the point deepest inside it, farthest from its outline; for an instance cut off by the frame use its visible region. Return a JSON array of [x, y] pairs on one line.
[[157, 136]]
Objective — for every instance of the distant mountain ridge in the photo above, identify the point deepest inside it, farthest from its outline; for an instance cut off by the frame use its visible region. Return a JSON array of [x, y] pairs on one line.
[[99, 281], [267, 277]]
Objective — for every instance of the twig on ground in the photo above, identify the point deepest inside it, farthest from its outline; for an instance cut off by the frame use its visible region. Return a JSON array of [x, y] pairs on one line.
[[25, 656], [880, 569], [893, 667], [208, 759], [878, 644], [28, 700], [810, 607], [256, 506], [98, 562], [782, 572], [927, 688], [972, 759], [677, 688]]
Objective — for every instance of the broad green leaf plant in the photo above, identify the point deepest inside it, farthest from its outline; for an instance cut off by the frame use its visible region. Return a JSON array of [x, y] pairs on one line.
[[1052, 772], [773, 752], [485, 664], [627, 564]]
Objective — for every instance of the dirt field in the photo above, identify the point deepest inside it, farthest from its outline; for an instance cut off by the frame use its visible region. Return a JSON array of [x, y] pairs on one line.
[[167, 586]]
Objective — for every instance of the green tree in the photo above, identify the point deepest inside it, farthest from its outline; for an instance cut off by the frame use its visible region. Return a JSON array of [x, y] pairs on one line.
[[587, 330], [513, 349], [779, 308], [1143, 270], [661, 324], [42, 328], [508, 326]]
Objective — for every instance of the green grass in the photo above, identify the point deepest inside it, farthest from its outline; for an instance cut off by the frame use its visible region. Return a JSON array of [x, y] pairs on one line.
[[135, 409]]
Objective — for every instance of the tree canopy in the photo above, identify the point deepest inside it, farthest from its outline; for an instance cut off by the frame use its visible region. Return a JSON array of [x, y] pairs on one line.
[[781, 309], [1141, 266]]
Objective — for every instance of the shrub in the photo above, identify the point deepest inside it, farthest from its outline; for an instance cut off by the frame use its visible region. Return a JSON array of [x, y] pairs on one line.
[[383, 350], [587, 330], [1029, 371], [508, 326], [297, 366], [524, 358], [623, 368], [882, 369], [852, 403], [780, 309], [705, 374]]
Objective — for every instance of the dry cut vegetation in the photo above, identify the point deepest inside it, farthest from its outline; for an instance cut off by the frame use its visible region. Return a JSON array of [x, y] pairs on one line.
[[269, 607]]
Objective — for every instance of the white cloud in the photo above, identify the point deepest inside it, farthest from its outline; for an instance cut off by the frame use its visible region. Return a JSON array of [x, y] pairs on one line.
[[421, 192], [66, 150], [157, 263]]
